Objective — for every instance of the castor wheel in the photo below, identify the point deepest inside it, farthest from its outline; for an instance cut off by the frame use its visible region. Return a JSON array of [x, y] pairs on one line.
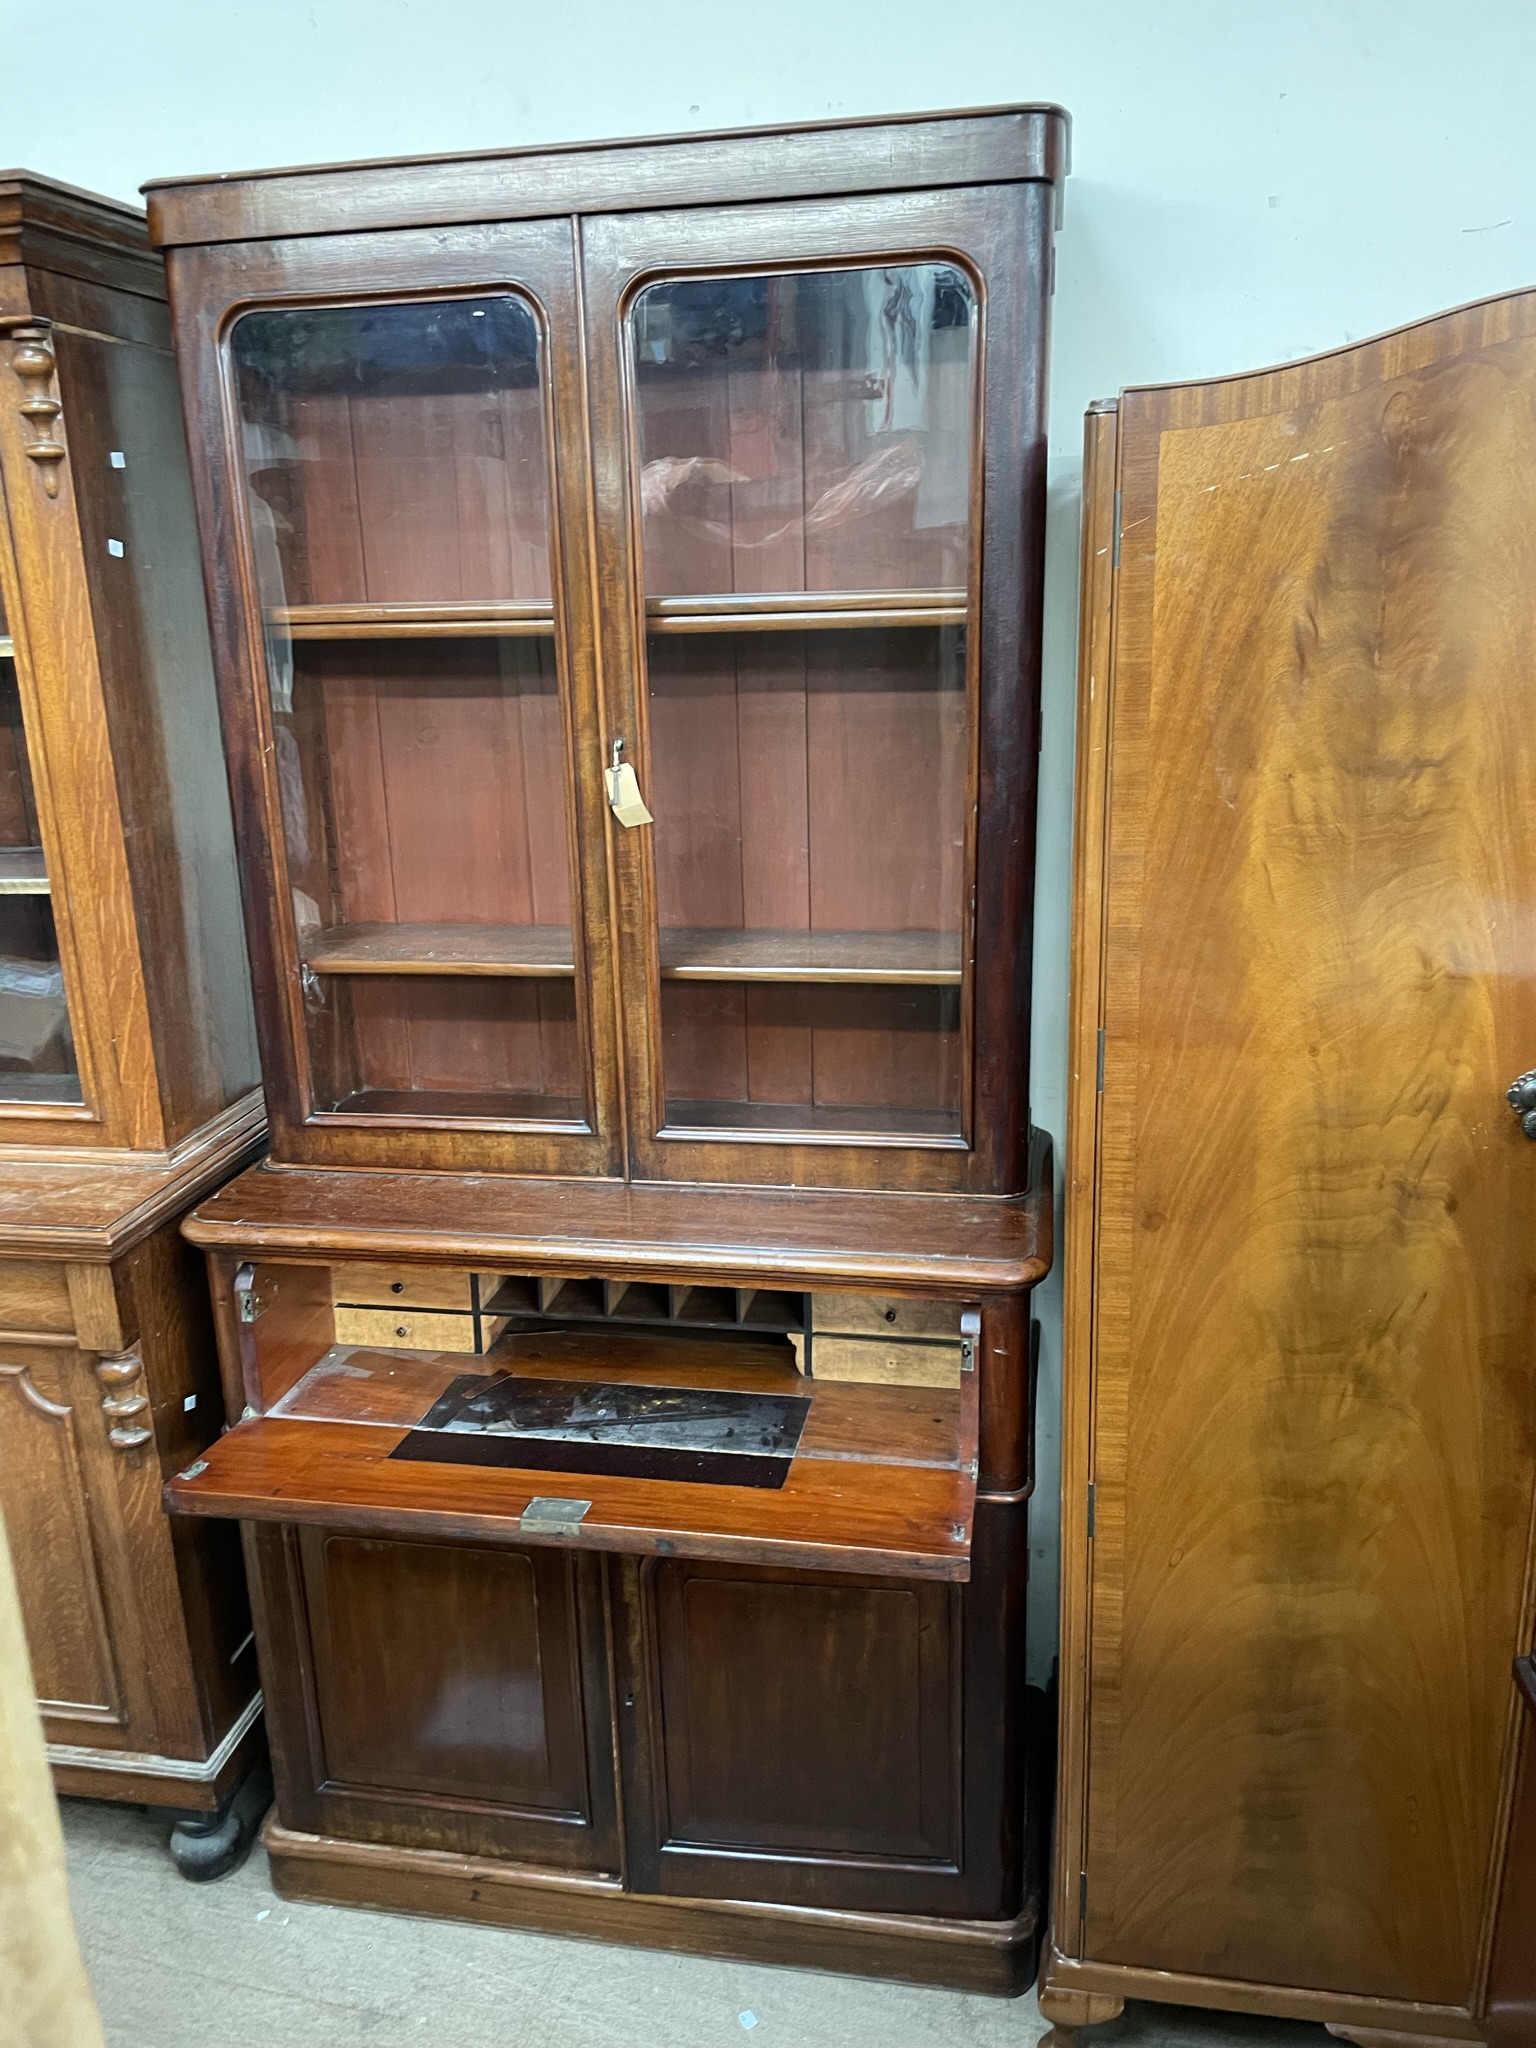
[[204, 1846]]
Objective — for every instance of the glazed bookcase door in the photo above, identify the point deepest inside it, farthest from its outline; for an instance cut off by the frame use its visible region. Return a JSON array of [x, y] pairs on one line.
[[810, 487], [38, 1064], [404, 471]]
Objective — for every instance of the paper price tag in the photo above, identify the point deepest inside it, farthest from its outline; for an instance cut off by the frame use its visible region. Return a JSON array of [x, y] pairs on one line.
[[624, 798]]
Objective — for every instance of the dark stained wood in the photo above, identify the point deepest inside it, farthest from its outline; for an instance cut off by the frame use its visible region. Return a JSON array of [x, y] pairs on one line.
[[439, 1698], [381, 1612], [982, 1955], [800, 1237], [1300, 1353], [980, 148], [770, 1042], [884, 1788], [906, 1519], [755, 1755], [490, 841], [960, 1070], [58, 231]]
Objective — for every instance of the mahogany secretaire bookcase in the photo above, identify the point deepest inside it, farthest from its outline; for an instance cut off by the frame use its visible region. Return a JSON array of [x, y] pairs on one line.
[[127, 1050], [625, 572], [1299, 1441]]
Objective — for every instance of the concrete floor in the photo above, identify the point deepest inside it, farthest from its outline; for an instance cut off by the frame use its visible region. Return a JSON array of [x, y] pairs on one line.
[[231, 1965]]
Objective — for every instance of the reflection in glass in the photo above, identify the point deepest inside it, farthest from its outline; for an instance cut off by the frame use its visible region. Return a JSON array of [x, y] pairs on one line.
[[805, 481], [37, 1052], [399, 505], [808, 431]]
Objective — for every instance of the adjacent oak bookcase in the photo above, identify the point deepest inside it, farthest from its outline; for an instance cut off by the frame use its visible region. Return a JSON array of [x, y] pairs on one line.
[[624, 564], [128, 1063]]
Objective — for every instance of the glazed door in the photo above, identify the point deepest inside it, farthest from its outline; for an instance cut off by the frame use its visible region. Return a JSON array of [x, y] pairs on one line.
[[816, 433], [1305, 910], [409, 510], [38, 1063]]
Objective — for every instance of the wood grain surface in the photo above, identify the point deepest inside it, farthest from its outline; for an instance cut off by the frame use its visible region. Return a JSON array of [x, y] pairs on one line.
[[1303, 1389], [911, 1521], [743, 1236]]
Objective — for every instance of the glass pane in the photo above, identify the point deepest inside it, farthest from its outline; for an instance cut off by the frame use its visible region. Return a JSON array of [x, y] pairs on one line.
[[37, 1050], [806, 432], [399, 504], [805, 447]]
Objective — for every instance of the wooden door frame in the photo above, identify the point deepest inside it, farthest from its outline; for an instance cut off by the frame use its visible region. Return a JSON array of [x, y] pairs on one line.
[[210, 289], [1001, 236]]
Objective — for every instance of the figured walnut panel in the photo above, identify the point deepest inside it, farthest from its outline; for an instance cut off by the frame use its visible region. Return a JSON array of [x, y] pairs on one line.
[[1315, 1345]]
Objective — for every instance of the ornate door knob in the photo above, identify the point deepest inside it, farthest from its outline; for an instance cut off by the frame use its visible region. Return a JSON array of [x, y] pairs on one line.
[[1522, 1100]]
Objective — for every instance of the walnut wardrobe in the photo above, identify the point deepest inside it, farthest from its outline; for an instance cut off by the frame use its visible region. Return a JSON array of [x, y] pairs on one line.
[[128, 1076], [624, 564], [1301, 1328]]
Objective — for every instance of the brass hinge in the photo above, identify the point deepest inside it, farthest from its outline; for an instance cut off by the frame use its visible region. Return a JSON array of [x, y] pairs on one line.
[[250, 1299], [1091, 1509], [970, 1337]]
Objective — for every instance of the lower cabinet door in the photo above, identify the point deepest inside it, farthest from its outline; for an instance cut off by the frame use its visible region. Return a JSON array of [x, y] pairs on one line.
[[94, 1561], [439, 1695], [817, 1738]]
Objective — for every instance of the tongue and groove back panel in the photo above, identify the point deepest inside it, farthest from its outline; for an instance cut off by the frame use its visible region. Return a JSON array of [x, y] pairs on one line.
[[1302, 1348]]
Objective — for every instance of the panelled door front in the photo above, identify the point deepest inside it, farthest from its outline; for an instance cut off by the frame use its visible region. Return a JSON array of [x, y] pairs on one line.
[[819, 946], [405, 502], [92, 1552], [1314, 1324]]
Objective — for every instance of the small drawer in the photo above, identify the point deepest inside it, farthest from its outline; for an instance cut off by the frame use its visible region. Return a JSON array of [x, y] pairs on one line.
[[883, 1364], [405, 1329], [878, 1315], [34, 1295], [366, 1285]]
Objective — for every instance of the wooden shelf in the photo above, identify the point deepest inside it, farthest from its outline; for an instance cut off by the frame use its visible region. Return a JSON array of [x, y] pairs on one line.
[[22, 872], [541, 950], [414, 621], [791, 1120], [913, 959], [805, 611], [418, 1108]]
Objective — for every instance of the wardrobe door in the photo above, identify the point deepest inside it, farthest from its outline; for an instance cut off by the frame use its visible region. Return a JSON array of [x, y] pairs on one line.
[[409, 674], [814, 429], [1304, 1357]]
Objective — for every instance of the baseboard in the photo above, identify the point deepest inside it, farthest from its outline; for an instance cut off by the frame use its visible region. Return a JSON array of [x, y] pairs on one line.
[[1354, 2018], [989, 1956], [135, 1778]]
